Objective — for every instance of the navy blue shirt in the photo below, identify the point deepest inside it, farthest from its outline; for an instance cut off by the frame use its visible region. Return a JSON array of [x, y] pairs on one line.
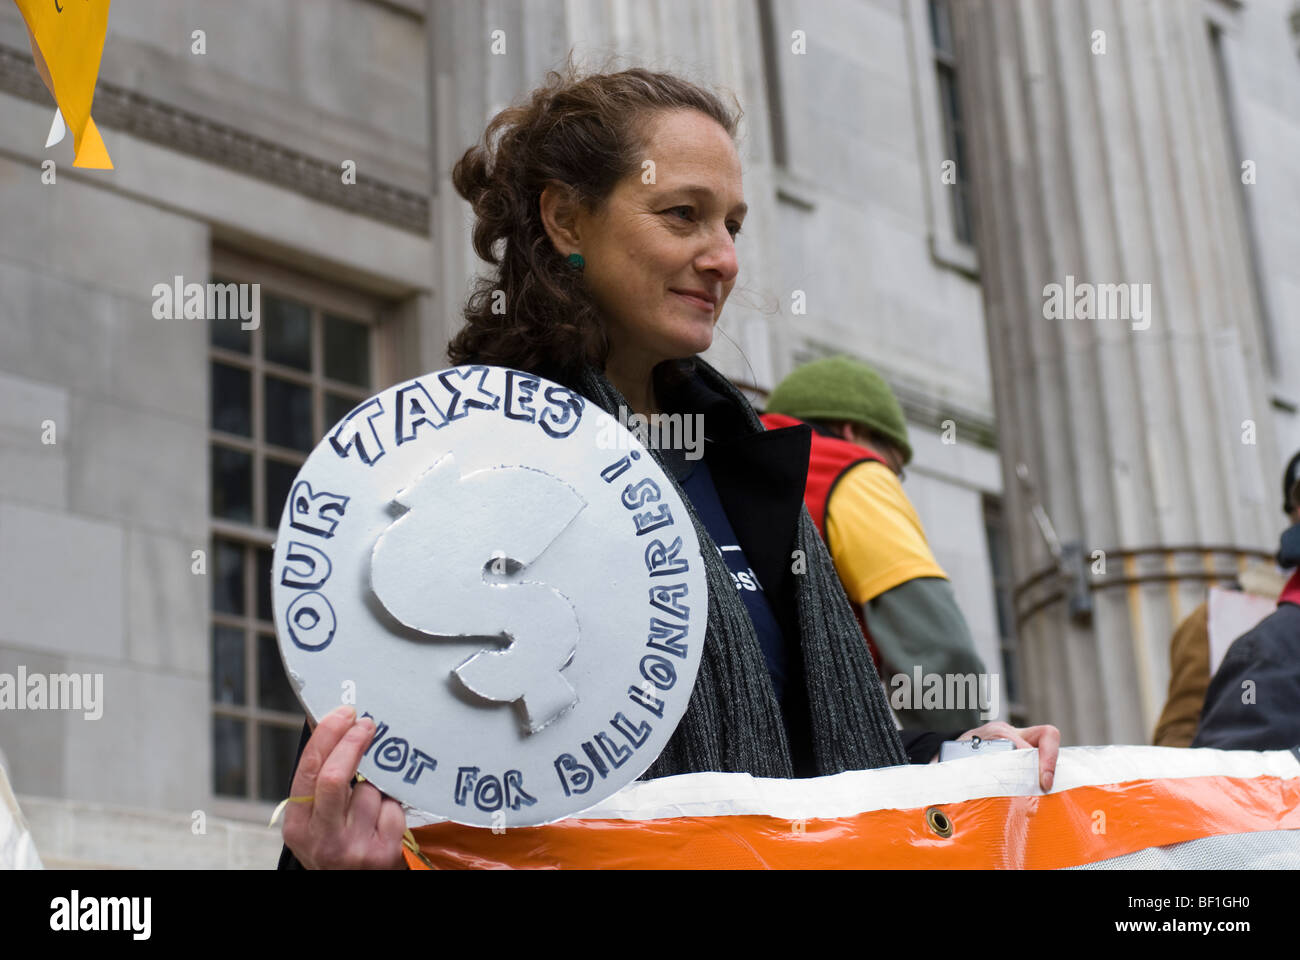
[[698, 485]]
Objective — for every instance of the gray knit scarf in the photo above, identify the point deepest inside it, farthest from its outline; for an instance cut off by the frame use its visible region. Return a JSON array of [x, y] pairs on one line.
[[733, 722]]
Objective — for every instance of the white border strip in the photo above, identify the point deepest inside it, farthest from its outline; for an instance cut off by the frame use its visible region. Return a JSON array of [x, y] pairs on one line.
[[1008, 774]]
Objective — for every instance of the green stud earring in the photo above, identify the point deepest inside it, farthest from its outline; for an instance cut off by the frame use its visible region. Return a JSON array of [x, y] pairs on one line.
[[575, 260]]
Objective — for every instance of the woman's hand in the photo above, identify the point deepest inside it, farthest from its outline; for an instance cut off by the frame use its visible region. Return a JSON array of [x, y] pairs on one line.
[[1045, 737], [342, 827]]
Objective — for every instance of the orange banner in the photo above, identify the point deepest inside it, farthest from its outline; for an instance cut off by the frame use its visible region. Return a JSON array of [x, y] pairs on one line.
[[1073, 827]]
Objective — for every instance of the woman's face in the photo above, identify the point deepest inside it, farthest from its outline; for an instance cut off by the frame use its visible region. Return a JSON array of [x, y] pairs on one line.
[[661, 256]]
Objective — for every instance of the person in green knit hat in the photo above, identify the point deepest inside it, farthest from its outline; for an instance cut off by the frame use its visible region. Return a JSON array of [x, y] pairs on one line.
[[903, 598]]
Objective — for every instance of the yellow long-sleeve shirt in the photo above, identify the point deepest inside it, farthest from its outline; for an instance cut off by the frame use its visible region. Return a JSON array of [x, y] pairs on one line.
[[874, 534]]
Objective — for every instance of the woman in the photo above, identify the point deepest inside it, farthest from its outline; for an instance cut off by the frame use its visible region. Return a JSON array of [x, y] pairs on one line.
[[610, 206]]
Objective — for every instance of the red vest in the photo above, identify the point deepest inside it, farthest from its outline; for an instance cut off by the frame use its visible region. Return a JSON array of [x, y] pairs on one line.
[[828, 460], [1291, 592]]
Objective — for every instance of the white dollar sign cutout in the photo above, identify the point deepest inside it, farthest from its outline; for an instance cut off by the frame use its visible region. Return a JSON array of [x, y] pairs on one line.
[[421, 577]]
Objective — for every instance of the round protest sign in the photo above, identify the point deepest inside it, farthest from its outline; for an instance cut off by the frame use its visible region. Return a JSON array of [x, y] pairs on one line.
[[500, 574]]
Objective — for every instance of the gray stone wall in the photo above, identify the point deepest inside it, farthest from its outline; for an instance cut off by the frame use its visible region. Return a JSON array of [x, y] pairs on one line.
[[98, 528]]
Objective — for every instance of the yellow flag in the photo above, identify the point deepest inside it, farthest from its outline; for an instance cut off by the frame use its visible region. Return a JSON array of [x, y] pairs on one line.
[[67, 38]]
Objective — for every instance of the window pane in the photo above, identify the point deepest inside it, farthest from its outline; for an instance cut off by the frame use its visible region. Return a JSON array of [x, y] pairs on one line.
[[229, 765], [336, 408], [273, 689], [347, 351], [228, 333], [1009, 669], [1006, 621], [941, 25], [286, 329], [276, 749], [264, 581], [227, 577], [232, 404], [232, 484], [288, 415], [279, 480], [227, 664], [961, 217], [949, 98]]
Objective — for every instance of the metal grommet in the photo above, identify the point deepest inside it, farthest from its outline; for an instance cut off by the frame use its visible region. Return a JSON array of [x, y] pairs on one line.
[[938, 821]]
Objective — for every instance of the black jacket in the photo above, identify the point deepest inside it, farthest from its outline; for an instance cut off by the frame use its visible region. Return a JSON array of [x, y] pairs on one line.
[[1253, 701]]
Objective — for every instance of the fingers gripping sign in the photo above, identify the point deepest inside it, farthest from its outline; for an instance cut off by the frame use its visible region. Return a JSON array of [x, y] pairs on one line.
[[1045, 738], [341, 826]]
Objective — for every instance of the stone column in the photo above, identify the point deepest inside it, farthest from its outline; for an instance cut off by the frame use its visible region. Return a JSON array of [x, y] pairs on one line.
[[1147, 438]]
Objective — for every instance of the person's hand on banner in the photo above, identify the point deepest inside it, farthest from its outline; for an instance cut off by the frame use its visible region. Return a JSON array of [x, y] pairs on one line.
[[1045, 737]]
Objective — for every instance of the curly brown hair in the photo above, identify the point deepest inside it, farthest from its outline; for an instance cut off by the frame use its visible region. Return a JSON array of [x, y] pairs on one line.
[[585, 132]]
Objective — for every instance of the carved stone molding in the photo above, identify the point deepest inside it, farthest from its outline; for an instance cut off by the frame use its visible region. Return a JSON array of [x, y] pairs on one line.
[[227, 146]]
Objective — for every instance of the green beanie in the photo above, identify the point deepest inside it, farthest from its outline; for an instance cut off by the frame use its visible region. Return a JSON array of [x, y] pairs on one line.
[[841, 388]]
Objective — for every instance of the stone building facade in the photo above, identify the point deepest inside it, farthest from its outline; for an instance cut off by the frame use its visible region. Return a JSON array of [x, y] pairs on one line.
[[308, 149]]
